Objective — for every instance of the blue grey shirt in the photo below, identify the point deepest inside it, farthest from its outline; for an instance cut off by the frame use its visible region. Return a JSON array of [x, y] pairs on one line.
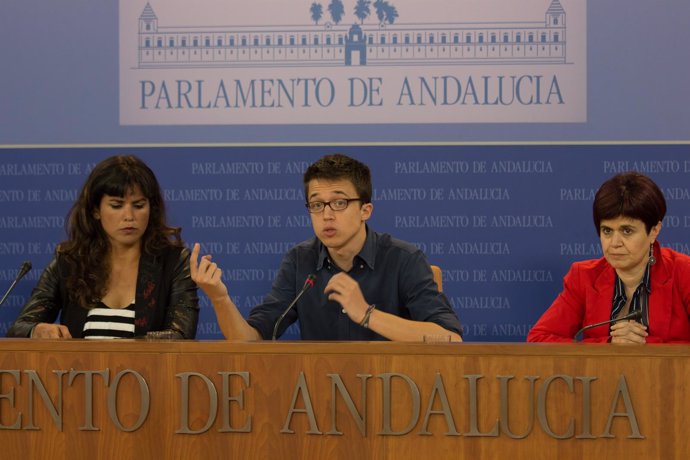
[[393, 275]]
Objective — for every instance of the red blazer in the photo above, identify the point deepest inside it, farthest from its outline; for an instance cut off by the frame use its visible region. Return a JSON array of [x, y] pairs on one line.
[[587, 298]]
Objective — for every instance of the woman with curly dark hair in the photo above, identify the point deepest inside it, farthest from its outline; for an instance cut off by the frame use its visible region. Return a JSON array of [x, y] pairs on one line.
[[123, 271]]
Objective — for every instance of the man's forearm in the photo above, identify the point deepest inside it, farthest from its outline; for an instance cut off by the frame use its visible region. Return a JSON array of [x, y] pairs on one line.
[[404, 330], [232, 323]]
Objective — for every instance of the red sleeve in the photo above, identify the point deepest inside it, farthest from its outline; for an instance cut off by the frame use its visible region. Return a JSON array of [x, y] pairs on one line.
[[561, 321]]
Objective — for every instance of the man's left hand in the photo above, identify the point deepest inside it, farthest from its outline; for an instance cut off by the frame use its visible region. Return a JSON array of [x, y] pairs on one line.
[[345, 290]]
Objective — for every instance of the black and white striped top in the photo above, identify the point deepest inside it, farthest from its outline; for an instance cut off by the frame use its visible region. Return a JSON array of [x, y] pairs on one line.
[[104, 322]]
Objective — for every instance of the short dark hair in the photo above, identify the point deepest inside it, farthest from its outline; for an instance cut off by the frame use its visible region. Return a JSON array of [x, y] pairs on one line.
[[632, 195], [337, 167]]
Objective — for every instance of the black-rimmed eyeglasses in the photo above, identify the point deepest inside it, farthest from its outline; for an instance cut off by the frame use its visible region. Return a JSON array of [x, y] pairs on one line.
[[315, 207]]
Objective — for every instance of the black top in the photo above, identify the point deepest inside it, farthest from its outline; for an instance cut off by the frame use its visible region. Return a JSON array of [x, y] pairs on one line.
[[166, 298], [640, 300], [392, 274]]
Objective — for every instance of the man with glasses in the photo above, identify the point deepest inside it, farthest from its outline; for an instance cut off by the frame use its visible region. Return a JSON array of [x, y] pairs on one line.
[[366, 285]]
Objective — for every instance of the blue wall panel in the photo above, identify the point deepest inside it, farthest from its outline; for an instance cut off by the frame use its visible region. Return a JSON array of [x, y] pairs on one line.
[[504, 222]]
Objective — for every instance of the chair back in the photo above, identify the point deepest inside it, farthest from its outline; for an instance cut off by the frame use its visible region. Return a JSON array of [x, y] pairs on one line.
[[436, 271]]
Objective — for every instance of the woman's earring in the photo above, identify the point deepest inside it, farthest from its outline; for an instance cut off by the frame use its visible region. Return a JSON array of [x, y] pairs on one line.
[[652, 259]]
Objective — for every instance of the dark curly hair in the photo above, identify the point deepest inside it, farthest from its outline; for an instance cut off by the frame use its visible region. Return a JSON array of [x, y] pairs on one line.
[[87, 247]]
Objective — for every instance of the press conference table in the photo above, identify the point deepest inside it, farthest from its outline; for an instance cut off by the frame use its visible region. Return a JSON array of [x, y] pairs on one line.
[[363, 400]]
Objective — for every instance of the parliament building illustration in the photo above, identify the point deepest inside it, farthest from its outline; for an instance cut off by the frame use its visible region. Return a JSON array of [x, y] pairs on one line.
[[327, 44]]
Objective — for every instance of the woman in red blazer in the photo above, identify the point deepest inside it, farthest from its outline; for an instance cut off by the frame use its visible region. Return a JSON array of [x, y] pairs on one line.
[[635, 274]]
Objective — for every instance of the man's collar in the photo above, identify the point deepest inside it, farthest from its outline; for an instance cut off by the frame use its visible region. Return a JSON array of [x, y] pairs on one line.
[[366, 254]]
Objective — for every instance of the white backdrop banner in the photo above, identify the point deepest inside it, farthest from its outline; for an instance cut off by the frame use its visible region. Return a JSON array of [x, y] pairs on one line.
[[217, 62]]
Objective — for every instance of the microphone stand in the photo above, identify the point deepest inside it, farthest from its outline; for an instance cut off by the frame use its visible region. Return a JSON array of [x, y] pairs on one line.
[[636, 315], [308, 284], [23, 270]]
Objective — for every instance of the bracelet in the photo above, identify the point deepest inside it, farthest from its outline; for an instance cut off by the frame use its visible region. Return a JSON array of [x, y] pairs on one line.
[[365, 321]]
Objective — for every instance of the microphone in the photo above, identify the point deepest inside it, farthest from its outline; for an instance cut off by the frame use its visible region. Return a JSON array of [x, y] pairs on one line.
[[23, 270], [308, 284], [636, 315]]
